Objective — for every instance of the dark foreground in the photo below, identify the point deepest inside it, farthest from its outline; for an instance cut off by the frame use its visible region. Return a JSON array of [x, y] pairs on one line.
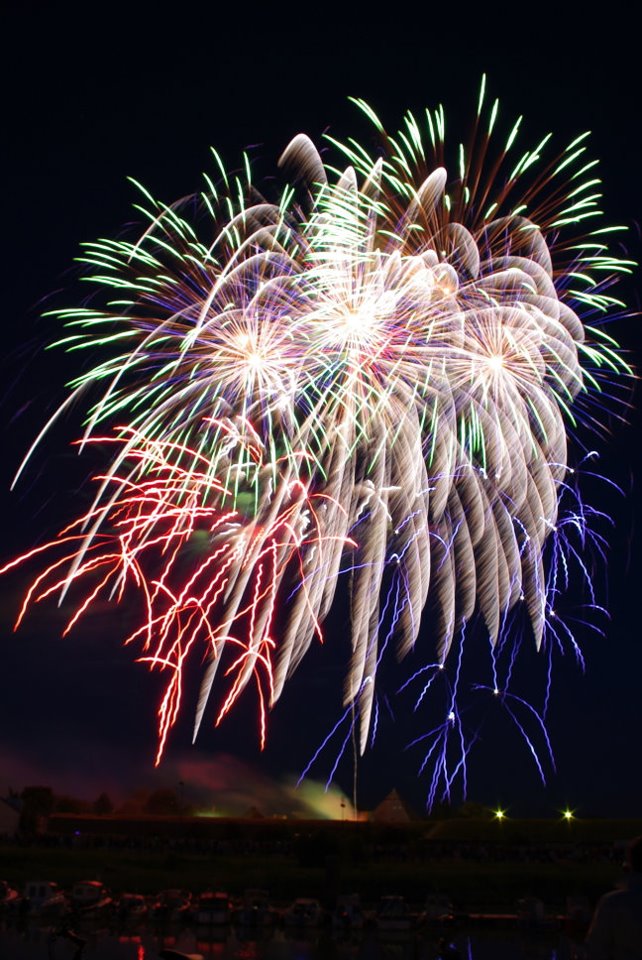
[[485, 869], [34, 942]]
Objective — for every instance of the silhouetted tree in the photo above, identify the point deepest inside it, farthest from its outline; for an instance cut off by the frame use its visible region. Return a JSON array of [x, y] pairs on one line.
[[135, 803], [162, 802], [102, 805], [37, 804], [472, 810], [67, 804]]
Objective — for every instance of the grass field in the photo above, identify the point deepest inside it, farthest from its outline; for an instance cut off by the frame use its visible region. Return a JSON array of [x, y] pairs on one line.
[[470, 884]]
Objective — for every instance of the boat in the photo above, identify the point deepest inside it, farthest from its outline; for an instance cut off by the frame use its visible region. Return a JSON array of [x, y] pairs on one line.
[[9, 898], [347, 914], [90, 898], [45, 898], [304, 912], [171, 905], [393, 915], [531, 913], [437, 909], [255, 909], [131, 906], [212, 909]]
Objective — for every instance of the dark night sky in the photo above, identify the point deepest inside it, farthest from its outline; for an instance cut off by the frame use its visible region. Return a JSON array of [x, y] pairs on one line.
[[91, 98]]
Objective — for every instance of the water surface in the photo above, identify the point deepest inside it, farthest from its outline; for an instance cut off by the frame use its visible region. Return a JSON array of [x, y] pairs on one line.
[[32, 942]]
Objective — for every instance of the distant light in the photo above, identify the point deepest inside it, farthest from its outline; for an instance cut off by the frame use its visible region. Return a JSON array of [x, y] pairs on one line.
[[568, 815], [499, 814]]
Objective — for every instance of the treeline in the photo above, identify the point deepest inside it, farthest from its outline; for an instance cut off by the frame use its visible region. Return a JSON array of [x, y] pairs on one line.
[[37, 803]]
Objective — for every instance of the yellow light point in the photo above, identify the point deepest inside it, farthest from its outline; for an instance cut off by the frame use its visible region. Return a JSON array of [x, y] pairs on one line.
[[568, 815], [499, 814]]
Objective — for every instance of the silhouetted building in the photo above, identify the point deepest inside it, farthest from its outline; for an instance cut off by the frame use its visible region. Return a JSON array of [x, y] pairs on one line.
[[392, 810]]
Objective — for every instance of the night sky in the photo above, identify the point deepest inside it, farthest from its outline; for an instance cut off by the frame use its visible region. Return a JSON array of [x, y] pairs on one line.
[[93, 97]]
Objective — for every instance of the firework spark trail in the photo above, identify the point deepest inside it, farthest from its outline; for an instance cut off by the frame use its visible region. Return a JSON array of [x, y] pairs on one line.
[[451, 739], [389, 618], [376, 377], [158, 516]]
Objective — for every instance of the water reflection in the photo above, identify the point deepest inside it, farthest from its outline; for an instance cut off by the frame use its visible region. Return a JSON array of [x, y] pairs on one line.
[[30, 942]]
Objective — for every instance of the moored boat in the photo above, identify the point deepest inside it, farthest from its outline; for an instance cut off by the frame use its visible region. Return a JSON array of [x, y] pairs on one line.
[[255, 909], [304, 912], [44, 897], [393, 915], [171, 905], [438, 909], [131, 906], [212, 909], [90, 898], [347, 914], [9, 898]]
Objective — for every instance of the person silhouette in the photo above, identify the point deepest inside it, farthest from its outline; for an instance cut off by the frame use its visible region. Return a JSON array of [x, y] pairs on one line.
[[616, 929]]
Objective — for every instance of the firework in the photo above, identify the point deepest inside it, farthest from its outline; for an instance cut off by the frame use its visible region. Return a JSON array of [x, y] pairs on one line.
[[372, 378]]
